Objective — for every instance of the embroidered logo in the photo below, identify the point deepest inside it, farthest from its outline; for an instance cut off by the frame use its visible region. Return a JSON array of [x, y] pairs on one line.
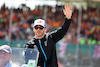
[[45, 43]]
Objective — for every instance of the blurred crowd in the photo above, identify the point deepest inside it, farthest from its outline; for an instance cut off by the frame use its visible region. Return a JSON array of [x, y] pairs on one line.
[[23, 18]]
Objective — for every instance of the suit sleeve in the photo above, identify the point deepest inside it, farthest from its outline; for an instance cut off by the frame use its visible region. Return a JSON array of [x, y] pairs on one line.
[[60, 32]]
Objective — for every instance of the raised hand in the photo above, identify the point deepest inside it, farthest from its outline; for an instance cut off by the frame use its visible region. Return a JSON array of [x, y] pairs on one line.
[[67, 11]]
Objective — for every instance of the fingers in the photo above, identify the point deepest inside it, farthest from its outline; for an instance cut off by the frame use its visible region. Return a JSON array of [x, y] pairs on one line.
[[68, 6], [65, 6], [64, 11]]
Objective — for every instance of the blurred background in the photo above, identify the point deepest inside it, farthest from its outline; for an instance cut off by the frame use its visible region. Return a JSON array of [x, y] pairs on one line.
[[81, 45]]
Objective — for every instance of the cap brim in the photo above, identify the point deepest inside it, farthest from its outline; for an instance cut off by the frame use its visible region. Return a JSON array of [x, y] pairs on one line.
[[38, 24], [4, 50]]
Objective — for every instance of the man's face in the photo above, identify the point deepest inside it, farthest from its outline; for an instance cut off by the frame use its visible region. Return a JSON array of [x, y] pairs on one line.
[[4, 57], [39, 31]]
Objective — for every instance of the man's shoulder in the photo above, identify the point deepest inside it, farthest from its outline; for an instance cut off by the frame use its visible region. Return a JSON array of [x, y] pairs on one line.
[[31, 41], [49, 34]]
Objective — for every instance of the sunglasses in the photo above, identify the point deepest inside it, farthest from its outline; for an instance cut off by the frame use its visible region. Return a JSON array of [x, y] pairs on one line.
[[41, 27]]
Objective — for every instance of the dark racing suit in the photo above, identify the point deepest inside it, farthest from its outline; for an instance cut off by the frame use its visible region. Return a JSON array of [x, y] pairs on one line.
[[47, 45]]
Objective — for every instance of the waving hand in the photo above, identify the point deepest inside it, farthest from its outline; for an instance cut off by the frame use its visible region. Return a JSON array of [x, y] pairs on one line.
[[67, 11]]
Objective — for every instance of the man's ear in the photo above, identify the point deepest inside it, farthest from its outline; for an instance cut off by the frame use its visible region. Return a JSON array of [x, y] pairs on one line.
[[10, 55], [45, 30]]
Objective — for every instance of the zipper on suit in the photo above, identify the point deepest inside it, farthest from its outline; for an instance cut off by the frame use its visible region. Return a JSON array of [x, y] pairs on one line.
[[43, 53]]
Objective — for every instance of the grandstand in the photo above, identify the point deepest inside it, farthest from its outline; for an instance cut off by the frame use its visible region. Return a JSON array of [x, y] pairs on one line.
[[16, 29]]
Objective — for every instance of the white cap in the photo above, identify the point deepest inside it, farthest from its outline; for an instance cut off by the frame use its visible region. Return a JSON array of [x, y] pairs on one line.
[[6, 48], [39, 22]]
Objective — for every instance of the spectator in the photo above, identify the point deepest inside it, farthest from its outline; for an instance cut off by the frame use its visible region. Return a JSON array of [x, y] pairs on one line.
[[5, 56]]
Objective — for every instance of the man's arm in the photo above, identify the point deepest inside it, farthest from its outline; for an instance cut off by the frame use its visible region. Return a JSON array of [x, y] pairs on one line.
[[59, 34]]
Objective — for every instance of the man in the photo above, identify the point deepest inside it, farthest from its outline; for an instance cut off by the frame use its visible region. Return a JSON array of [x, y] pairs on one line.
[[46, 42], [5, 56]]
